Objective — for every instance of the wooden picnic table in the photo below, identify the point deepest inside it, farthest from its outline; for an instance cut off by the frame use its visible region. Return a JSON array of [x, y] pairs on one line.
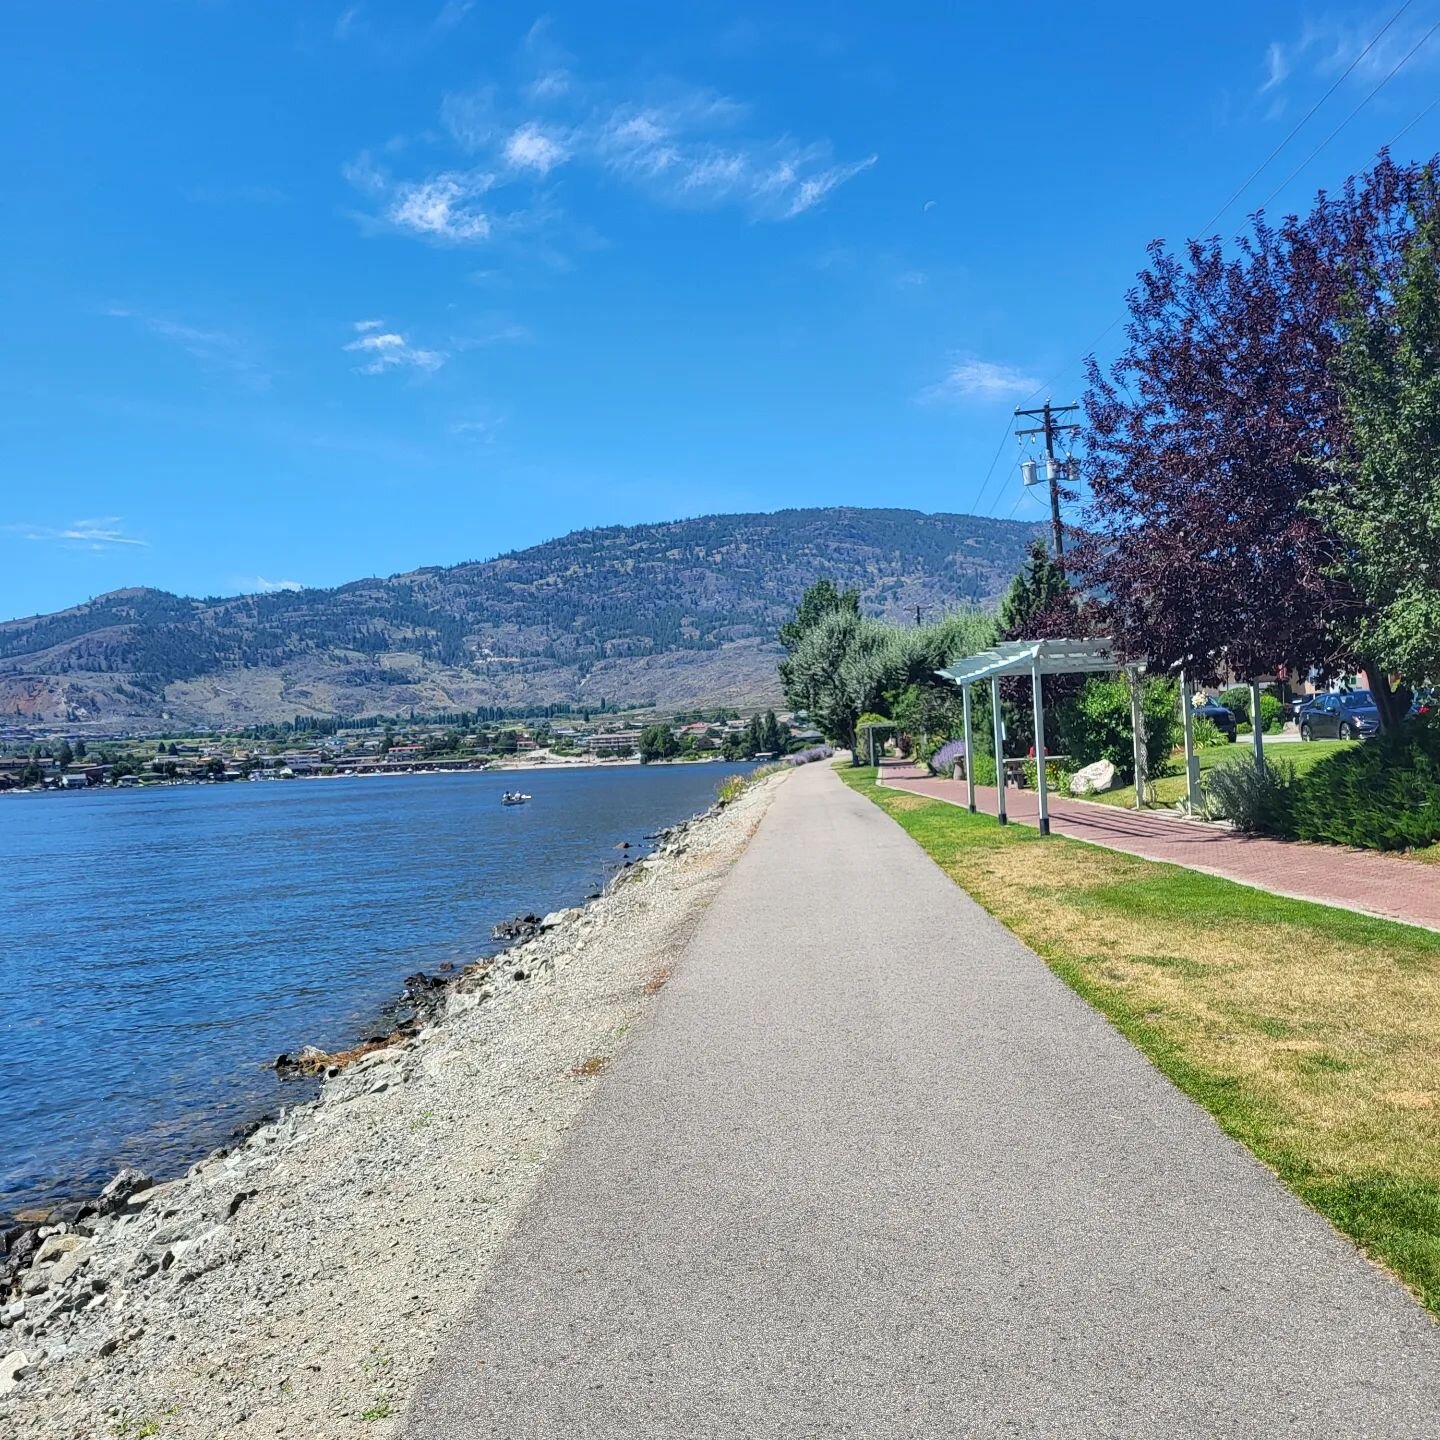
[[1015, 767]]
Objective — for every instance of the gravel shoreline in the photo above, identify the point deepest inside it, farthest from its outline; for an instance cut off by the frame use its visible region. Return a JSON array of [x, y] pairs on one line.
[[296, 1285]]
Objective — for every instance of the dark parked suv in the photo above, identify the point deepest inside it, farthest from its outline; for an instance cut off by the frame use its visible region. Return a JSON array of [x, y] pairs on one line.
[[1350, 715], [1222, 718]]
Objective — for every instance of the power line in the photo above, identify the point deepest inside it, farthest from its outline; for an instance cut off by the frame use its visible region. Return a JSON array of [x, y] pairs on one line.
[[1050, 429], [1400, 65], [1305, 119], [1398, 138], [1265, 164], [995, 460]]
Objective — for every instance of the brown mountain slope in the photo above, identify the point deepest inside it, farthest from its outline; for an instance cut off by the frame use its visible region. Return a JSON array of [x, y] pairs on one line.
[[675, 615]]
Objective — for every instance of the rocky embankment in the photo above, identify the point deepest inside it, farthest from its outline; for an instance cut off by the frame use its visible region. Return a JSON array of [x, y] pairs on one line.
[[297, 1285]]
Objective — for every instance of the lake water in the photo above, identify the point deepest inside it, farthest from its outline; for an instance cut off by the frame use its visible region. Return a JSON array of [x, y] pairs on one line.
[[159, 947]]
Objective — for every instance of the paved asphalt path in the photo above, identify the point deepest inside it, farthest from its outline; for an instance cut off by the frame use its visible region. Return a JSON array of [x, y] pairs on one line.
[[872, 1171]]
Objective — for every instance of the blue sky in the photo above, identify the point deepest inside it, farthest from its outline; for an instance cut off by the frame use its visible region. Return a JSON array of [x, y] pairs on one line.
[[298, 293]]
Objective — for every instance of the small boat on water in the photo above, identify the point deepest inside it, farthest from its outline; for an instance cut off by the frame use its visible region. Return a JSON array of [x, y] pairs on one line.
[[514, 797]]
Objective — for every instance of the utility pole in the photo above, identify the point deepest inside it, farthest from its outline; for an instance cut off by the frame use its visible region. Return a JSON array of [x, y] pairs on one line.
[[1054, 466]]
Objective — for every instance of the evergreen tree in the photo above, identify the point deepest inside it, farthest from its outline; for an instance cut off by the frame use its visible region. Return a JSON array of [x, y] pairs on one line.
[[772, 739], [1040, 603]]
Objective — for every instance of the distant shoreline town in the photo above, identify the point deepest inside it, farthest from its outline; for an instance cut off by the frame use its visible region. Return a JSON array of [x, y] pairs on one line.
[[32, 763]]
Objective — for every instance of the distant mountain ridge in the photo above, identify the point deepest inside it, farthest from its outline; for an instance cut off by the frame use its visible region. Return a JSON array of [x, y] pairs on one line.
[[676, 614]]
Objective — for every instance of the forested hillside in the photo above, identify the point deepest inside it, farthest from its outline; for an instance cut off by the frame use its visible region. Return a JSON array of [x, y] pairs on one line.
[[668, 614]]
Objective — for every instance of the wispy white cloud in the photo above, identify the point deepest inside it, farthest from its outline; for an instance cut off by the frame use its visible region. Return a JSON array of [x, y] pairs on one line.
[[381, 350], [346, 21], [980, 380], [1277, 67], [443, 207], [105, 533], [402, 37], [261, 586], [451, 14], [683, 146], [481, 426], [549, 85], [217, 349], [1328, 45], [530, 148], [810, 191]]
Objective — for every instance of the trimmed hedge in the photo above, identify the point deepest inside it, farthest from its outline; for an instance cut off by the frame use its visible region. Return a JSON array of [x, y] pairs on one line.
[[1380, 795]]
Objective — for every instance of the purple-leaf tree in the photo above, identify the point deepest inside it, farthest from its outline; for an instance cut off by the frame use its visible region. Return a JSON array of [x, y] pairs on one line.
[[1214, 427]]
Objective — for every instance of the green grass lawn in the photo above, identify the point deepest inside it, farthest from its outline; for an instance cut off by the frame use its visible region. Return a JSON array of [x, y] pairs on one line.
[[1311, 1034], [1170, 789]]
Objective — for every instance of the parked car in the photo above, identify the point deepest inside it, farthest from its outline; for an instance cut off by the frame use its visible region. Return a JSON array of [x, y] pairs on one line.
[[1349, 715], [1220, 716], [1296, 703]]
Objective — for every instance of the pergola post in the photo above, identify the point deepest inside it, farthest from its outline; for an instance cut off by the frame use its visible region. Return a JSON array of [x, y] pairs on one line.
[[1192, 764], [1256, 729], [1037, 696], [1137, 734], [969, 752], [999, 749]]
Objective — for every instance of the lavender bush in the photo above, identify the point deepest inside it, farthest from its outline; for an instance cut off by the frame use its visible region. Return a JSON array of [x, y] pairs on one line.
[[808, 757]]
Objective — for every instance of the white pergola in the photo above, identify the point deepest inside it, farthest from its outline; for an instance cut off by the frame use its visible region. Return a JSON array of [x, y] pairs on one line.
[[1035, 659]]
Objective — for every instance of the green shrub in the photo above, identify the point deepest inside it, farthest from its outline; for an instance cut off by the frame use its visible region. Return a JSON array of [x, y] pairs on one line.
[[1237, 701], [1272, 713], [1382, 795], [1251, 799], [984, 768], [1096, 725], [1206, 733], [1056, 776]]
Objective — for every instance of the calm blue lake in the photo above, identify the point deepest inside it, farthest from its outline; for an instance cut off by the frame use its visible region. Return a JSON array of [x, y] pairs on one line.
[[159, 947]]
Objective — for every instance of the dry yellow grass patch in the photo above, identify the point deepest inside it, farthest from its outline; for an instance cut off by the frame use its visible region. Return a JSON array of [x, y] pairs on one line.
[[1324, 1028]]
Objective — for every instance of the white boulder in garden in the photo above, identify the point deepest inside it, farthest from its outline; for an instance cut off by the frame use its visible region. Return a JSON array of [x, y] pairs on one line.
[[1091, 779]]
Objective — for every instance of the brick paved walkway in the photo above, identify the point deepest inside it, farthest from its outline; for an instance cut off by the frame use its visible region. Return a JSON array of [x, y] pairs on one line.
[[1387, 885]]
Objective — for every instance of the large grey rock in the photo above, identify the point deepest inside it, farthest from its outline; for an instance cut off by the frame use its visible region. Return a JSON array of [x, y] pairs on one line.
[[118, 1192], [143, 1199], [11, 1368], [1092, 779], [57, 1245], [68, 1264]]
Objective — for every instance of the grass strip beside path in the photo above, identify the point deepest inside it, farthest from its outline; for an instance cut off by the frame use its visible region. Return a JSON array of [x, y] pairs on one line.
[[1311, 1034], [1170, 789]]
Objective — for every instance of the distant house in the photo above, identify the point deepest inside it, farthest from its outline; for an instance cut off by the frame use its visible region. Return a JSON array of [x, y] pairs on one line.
[[72, 781], [404, 752]]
